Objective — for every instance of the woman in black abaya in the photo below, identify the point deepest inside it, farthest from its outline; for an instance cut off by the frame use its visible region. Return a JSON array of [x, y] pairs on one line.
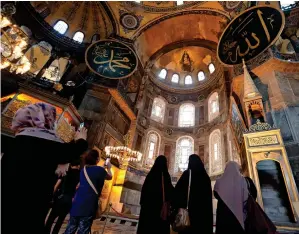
[[151, 200], [200, 200]]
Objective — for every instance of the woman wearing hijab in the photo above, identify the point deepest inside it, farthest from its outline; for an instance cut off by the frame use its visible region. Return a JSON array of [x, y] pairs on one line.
[[200, 199], [231, 192], [151, 199], [28, 169]]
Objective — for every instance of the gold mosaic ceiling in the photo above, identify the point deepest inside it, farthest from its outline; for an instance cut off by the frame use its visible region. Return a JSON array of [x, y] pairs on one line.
[[150, 25]]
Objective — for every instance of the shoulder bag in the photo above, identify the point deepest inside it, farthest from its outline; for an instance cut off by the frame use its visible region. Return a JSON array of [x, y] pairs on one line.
[[182, 220], [165, 212], [100, 209], [257, 220]]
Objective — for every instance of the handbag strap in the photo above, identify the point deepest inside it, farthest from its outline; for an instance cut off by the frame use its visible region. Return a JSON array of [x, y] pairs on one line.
[[189, 185], [89, 181], [163, 188], [248, 185]]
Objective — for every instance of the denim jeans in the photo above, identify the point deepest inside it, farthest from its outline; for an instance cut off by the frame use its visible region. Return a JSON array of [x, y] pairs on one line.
[[83, 224]]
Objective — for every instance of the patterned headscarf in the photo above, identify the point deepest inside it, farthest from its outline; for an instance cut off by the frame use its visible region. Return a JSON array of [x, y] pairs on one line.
[[39, 115]]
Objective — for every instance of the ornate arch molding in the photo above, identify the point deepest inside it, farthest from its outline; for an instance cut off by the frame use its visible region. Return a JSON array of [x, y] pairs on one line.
[[203, 11]]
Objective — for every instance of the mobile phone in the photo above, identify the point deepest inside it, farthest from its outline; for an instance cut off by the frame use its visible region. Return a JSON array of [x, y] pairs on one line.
[[81, 125], [107, 161]]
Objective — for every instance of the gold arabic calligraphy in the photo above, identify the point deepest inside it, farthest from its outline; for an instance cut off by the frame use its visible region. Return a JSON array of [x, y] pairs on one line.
[[116, 60], [228, 45]]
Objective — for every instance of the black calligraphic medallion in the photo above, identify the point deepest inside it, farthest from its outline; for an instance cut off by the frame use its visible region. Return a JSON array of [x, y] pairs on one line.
[[111, 59], [250, 34]]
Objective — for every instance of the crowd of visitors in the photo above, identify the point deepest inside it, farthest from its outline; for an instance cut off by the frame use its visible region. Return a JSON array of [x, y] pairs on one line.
[[191, 209], [40, 167]]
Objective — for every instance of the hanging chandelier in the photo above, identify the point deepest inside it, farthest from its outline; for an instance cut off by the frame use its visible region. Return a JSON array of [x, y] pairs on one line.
[[14, 40], [123, 153]]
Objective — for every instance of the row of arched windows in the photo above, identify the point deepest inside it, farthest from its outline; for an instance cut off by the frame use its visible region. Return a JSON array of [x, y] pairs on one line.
[[62, 27], [184, 148], [188, 79], [186, 111]]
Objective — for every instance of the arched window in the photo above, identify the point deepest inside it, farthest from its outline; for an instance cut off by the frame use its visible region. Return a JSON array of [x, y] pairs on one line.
[[201, 76], [163, 73], [95, 37], [79, 36], [215, 152], [186, 115], [152, 148], [158, 110], [184, 148], [175, 78], [211, 68], [61, 27], [188, 80], [213, 106]]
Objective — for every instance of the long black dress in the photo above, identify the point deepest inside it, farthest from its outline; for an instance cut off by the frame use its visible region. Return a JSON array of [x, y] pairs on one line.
[[28, 178], [151, 199], [200, 201]]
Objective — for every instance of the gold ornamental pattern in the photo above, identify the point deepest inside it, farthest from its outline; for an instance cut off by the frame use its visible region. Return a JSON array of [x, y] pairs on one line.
[[264, 140]]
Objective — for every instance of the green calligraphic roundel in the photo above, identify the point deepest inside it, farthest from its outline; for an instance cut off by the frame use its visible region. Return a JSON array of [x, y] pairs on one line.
[[111, 59], [250, 34]]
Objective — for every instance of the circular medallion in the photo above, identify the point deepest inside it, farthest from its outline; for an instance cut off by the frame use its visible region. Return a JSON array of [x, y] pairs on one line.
[[129, 21], [111, 59], [172, 99], [250, 34]]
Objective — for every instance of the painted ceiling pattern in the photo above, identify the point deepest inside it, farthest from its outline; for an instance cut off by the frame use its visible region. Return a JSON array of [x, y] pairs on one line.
[[149, 25]]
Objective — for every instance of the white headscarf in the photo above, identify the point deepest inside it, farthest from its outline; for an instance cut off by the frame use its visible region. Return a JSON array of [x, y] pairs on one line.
[[232, 189]]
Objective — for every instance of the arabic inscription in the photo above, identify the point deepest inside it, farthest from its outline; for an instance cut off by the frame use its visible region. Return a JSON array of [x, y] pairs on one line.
[[111, 59], [249, 34]]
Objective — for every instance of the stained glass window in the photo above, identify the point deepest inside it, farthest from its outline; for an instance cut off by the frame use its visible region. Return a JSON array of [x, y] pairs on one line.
[[186, 115], [158, 110], [61, 27]]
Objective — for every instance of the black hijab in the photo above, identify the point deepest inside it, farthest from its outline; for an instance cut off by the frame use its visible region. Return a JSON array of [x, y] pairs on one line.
[[200, 200], [152, 186], [151, 200]]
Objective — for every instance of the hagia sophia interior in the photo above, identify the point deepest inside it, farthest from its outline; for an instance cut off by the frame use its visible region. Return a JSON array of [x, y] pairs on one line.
[[151, 78]]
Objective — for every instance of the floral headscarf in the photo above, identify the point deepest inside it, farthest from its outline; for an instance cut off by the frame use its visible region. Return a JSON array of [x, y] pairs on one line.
[[39, 115]]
